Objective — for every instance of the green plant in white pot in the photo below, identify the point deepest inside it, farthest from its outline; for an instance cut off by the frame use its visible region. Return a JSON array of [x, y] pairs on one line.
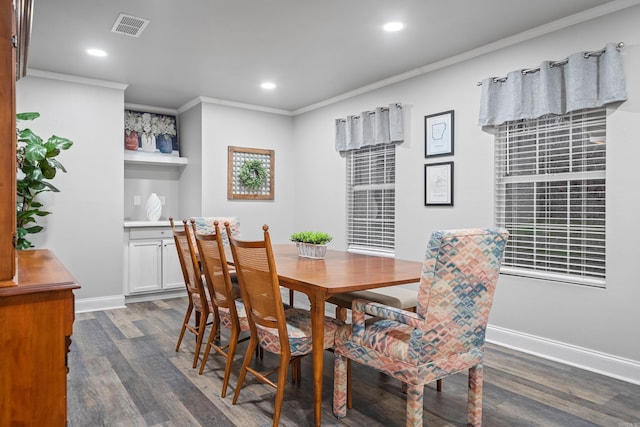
[[311, 244], [36, 166]]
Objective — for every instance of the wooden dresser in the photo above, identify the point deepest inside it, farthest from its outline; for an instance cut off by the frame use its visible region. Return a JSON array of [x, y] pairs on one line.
[[36, 320]]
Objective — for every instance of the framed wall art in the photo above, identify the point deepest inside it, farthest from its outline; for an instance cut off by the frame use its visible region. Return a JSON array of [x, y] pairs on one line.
[[438, 134], [438, 184], [151, 133], [250, 173]]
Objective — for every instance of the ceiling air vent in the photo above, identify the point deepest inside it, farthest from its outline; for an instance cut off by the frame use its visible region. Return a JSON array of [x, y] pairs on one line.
[[129, 25]]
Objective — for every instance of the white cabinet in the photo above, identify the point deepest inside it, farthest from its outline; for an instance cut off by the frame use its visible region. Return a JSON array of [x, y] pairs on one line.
[[172, 277], [152, 263]]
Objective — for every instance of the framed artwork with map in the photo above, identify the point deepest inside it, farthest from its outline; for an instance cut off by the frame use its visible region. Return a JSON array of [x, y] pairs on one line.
[[438, 134]]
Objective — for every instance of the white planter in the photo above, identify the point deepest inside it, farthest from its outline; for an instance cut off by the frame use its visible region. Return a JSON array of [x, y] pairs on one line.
[[309, 250]]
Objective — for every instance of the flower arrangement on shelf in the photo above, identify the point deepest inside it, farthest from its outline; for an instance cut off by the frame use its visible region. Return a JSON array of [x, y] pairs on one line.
[[149, 132], [165, 125], [311, 244]]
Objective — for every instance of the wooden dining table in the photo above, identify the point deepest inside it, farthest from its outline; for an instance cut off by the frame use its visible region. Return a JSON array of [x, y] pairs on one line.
[[338, 272]]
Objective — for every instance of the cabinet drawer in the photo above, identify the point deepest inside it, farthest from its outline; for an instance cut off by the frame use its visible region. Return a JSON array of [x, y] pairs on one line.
[[150, 233]]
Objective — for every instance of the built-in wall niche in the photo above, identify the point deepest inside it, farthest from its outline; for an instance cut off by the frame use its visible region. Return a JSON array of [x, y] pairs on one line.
[[141, 180]]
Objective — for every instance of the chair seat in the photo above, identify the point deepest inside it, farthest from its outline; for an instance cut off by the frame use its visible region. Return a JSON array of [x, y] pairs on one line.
[[393, 296], [225, 316], [299, 330]]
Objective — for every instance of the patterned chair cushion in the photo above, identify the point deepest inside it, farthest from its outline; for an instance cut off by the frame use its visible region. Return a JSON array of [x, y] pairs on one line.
[[299, 329], [198, 304], [384, 336], [204, 225], [225, 316]]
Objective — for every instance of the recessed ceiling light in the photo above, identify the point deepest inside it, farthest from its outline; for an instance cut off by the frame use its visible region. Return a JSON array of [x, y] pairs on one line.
[[96, 52], [393, 26], [268, 85]]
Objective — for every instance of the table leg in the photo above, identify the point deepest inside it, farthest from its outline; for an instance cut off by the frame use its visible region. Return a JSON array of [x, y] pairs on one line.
[[317, 332]]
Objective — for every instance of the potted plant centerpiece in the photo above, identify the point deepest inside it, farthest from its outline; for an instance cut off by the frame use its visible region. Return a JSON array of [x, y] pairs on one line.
[[311, 244]]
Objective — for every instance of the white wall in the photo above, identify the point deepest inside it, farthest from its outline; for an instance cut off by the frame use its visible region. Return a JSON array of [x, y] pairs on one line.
[[547, 315], [190, 128], [224, 126], [85, 229]]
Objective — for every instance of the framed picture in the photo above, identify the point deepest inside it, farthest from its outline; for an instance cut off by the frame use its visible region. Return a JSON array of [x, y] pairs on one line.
[[438, 184], [151, 133], [438, 134], [250, 173]]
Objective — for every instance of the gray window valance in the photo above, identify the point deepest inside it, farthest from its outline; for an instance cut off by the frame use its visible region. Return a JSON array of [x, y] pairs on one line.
[[380, 126], [583, 80]]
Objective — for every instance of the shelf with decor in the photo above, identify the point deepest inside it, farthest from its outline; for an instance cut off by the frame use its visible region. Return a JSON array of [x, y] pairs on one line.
[[136, 157]]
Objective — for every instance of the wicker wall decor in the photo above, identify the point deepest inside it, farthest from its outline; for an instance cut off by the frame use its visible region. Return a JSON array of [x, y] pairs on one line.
[[250, 173]]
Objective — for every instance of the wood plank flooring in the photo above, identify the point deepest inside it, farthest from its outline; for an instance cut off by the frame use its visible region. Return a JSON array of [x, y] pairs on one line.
[[123, 371]]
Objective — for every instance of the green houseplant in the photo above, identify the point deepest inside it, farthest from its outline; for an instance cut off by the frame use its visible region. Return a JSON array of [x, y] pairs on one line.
[[311, 244], [36, 165]]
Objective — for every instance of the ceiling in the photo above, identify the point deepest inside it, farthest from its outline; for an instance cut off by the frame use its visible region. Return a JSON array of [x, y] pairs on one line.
[[312, 50]]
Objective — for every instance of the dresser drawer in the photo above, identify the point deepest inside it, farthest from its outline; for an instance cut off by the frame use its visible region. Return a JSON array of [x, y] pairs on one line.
[[150, 233]]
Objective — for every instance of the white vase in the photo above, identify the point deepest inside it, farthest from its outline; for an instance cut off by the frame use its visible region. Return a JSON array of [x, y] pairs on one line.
[[154, 207], [148, 142]]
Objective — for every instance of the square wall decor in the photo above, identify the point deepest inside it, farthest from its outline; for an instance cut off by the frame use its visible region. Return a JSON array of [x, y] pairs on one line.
[[250, 173]]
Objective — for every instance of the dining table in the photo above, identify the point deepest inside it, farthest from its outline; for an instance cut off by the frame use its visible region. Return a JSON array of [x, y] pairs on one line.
[[338, 272]]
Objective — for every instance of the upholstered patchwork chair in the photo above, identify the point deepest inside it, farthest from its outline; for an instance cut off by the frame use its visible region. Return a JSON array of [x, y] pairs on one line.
[[227, 310], [444, 336], [199, 303], [279, 331]]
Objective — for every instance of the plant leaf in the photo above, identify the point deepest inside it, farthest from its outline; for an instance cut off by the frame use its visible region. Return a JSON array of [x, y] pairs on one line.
[[27, 135], [58, 143], [35, 152], [57, 164], [50, 186], [27, 116], [34, 229], [48, 170]]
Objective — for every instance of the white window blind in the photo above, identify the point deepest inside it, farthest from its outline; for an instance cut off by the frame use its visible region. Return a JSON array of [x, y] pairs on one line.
[[550, 195], [371, 177]]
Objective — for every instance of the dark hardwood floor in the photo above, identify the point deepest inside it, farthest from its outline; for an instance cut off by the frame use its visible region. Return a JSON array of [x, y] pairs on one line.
[[123, 371]]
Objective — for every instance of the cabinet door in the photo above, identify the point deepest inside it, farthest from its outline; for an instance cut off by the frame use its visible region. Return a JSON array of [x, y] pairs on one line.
[[172, 277], [145, 258]]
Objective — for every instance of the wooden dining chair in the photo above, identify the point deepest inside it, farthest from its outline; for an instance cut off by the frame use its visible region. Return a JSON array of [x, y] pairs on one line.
[[444, 336], [199, 304], [228, 311], [286, 333], [205, 225]]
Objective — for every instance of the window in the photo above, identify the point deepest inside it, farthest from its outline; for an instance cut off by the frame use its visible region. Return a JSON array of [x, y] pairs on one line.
[[550, 195], [371, 177]]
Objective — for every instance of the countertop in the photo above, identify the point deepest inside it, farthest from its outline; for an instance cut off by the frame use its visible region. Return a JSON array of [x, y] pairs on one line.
[[134, 224]]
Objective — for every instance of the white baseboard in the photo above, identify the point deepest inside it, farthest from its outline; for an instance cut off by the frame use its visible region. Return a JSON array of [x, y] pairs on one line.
[[591, 360], [97, 304], [118, 301], [155, 296]]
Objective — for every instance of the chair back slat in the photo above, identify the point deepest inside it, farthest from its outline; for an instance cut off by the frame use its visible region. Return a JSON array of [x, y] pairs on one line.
[[460, 273], [258, 281], [189, 262], [214, 265]]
